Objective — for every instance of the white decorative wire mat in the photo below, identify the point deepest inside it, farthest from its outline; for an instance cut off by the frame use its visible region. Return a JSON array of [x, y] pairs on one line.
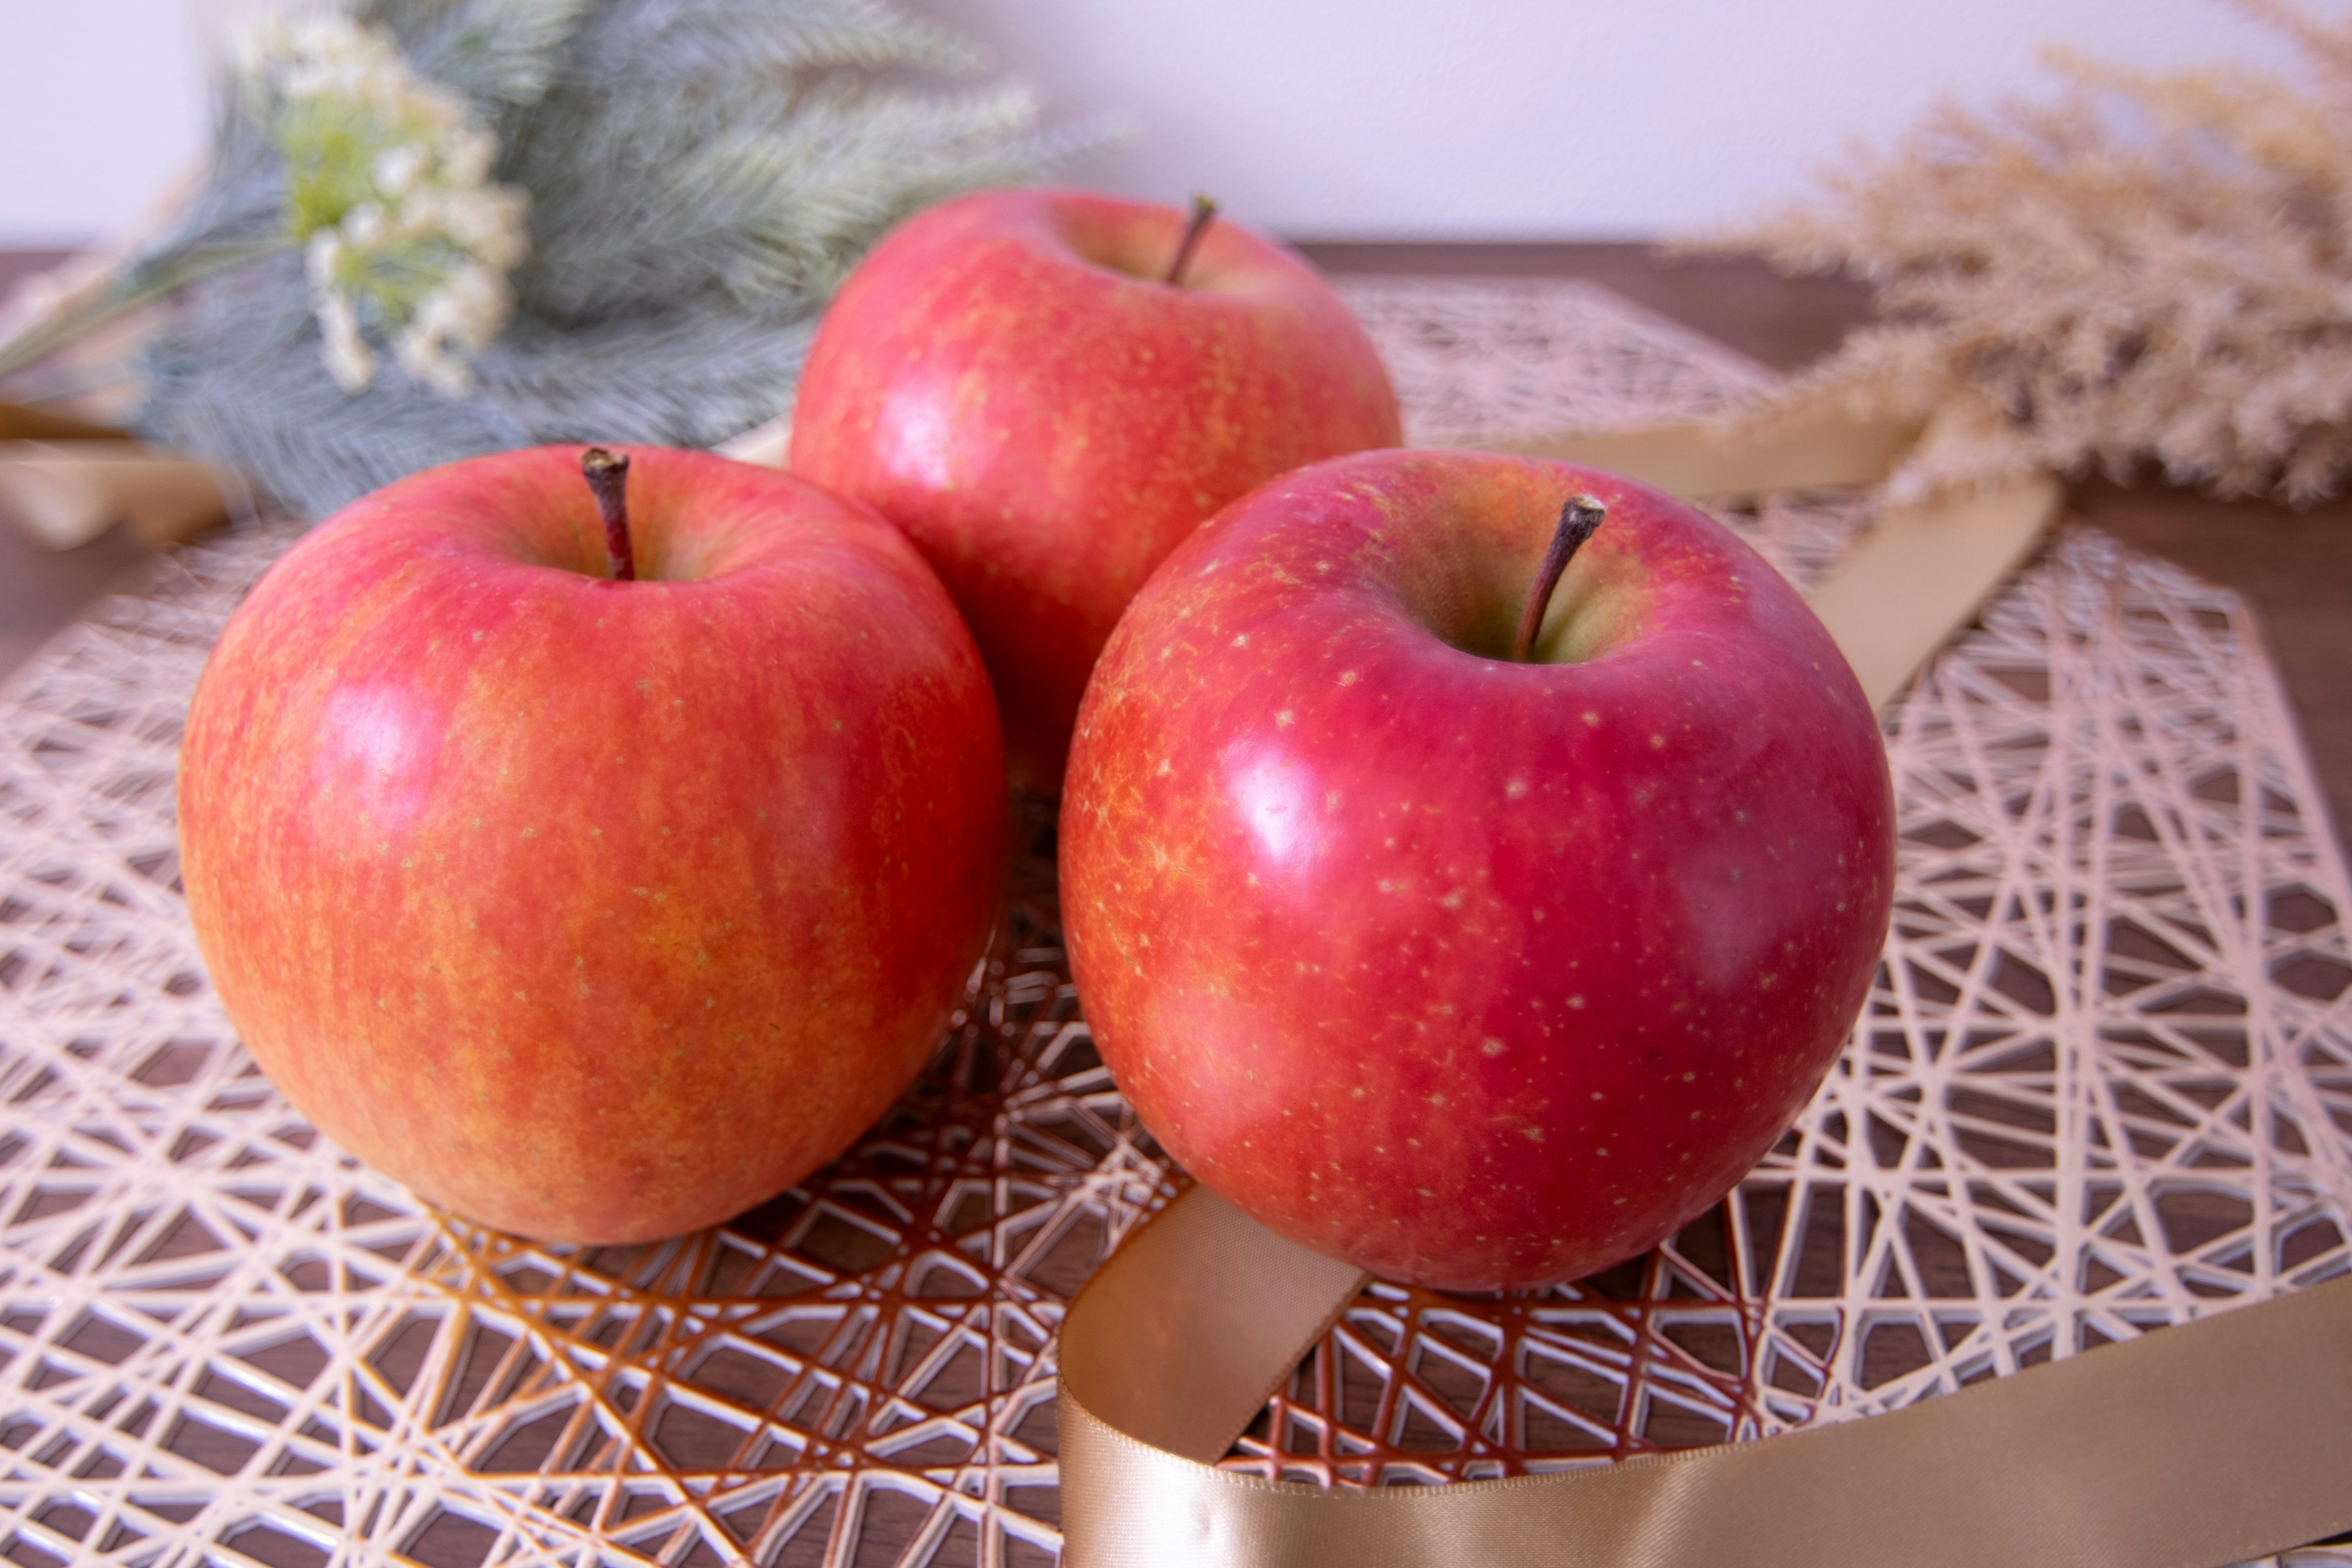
[[1486, 355], [2105, 1083]]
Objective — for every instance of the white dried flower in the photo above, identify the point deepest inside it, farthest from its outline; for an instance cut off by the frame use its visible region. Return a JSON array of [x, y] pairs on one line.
[[396, 170], [346, 352], [405, 236], [451, 324], [467, 157]]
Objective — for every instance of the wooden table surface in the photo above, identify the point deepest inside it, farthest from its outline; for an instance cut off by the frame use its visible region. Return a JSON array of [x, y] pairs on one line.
[[2295, 567]]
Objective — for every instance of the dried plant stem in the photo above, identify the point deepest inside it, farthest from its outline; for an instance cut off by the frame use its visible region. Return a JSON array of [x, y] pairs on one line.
[[124, 294]]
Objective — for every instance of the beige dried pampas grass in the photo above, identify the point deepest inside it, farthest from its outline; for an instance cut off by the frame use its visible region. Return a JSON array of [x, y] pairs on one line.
[[2138, 268]]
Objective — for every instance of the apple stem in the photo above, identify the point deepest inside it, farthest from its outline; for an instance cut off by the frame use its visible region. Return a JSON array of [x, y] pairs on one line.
[[1204, 212], [607, 474], [1580, 517]]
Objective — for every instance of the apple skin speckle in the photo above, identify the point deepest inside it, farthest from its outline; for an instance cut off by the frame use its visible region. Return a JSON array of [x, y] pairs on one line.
[[1121, 412], [620, 835], [1371, 959]]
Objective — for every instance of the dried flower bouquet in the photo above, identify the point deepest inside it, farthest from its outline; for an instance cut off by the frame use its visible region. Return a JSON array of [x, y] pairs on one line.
[[2143, 268]]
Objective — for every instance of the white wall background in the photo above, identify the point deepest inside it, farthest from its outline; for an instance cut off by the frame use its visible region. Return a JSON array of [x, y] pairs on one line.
[[1319, 119]]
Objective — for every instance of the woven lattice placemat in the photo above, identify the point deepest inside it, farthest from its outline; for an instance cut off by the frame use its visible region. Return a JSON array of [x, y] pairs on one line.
[[2105, 1083]]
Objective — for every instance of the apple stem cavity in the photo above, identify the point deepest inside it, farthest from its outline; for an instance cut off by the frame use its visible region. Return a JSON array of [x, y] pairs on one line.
[[607, 474], [1580, 519], [1204, 212]]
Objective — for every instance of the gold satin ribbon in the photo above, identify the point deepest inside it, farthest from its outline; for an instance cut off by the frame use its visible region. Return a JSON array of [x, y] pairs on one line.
[[1918, 574], [2217, 1440], [1815, 450], [67, 493], [66, 482]]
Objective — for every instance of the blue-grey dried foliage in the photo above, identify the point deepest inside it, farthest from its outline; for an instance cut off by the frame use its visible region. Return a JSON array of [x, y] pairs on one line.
[[703, 174]]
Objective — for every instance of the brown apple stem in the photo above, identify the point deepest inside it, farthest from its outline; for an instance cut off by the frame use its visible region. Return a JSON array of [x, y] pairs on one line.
[[1204, 212], [607, 474], [1580, 517]]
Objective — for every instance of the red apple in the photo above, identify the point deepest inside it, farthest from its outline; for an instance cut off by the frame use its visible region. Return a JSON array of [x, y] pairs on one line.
[[595, 909], [1478, 973], [1008, 378]]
